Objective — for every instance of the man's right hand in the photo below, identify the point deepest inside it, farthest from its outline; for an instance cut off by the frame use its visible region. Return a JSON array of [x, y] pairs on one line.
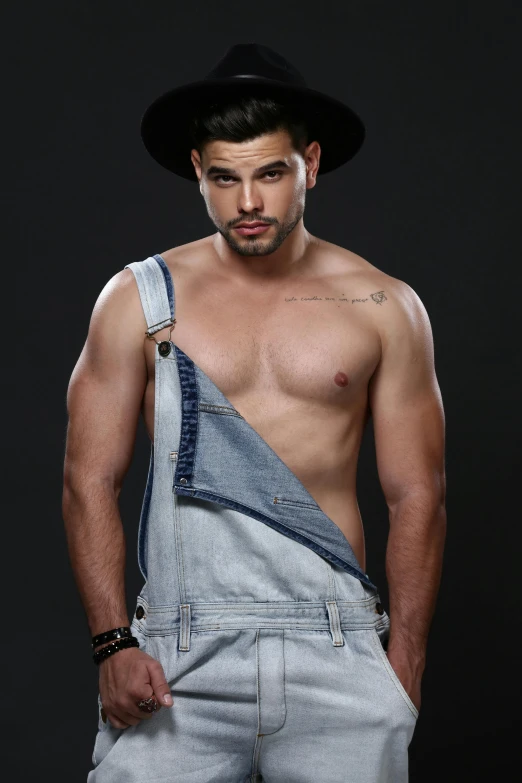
[[126, 677]]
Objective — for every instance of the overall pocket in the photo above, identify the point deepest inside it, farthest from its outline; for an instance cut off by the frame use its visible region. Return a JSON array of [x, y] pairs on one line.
[[296, 503], [106, 736], [378, 645]]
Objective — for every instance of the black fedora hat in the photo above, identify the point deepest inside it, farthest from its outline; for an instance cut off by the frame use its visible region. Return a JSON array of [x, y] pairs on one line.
[[249, 69]]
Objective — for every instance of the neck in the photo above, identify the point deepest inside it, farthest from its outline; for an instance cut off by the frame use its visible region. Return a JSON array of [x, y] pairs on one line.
[[290, 257]]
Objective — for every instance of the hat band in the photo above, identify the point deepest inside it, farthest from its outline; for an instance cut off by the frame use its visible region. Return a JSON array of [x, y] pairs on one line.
[[290, 80]]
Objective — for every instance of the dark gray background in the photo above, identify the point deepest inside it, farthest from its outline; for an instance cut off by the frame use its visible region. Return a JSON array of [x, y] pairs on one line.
[[432, 198]]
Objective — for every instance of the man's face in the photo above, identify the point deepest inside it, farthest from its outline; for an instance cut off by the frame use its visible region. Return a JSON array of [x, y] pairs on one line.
[[264, 179]]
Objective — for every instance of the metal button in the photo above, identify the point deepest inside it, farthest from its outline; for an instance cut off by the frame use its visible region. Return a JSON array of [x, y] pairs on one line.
[[140, 612], [164, 348], [379, 608], [183, 481]]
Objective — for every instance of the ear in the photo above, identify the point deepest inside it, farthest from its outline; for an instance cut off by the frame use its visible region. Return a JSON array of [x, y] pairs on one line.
[[312, 156], [196, 161]]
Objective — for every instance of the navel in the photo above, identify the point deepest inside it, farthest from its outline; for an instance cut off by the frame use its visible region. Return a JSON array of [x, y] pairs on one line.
[[341, 379]]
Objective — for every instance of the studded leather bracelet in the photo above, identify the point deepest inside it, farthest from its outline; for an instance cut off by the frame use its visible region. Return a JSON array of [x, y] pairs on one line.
[[115, 633], [113, 647]]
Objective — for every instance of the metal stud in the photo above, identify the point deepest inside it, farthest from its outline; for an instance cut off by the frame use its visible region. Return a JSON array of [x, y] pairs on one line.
[[164, 347]]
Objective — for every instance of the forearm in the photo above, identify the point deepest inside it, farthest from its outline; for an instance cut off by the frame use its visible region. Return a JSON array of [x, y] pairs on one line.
[[413, 569], [96, 544]]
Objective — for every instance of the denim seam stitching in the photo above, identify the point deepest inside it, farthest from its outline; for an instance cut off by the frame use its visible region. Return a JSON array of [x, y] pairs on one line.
[[268, 605], [196, 438], [169, 285], [147, 299], [284, 683], [178, 537], [281, 624], [257, 743], [332, 584]]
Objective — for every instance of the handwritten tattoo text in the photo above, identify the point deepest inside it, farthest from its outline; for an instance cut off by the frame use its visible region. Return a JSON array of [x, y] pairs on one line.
[[378, 297]]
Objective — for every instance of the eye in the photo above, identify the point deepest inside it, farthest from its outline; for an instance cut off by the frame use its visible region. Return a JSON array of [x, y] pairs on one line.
[[225, 179]]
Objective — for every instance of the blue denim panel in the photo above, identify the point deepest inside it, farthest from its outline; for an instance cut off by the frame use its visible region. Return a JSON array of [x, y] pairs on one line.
[[223, 459], [259, 631], [189, 418]]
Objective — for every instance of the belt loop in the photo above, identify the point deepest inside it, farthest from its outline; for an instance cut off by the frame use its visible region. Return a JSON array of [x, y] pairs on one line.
[[184, 627], [335, 623]]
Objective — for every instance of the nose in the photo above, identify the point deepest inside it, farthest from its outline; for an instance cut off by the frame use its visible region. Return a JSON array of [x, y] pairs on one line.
[[249, 198]]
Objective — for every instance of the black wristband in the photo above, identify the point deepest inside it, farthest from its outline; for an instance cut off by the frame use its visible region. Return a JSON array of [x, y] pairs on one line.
[[116, 633], [113, 647]]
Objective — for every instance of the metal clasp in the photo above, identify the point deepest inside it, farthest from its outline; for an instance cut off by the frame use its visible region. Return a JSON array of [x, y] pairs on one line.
[[152, 336]]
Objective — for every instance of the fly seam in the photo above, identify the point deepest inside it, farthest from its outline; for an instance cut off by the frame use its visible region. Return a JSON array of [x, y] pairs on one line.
[[284, 680], [259, 738], [332, 593]]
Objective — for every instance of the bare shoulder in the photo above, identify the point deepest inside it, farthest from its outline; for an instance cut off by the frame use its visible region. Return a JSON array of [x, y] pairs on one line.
[[391, 302], [119, 304], [114, 346], [118, 307], [190, 256]]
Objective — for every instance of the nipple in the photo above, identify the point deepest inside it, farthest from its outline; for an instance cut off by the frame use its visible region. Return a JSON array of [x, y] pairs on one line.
[[341, 379]]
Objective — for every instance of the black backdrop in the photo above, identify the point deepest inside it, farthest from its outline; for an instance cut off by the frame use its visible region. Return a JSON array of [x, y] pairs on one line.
[[432, 198]]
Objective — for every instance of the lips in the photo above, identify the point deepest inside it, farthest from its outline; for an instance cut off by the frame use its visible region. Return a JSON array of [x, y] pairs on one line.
[[252, 228]]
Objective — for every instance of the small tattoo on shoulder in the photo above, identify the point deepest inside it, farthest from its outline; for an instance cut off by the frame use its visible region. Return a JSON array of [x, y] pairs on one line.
[[379, 297]]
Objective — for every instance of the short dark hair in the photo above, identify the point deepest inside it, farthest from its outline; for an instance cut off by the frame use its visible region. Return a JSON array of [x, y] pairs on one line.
[[244, 118]]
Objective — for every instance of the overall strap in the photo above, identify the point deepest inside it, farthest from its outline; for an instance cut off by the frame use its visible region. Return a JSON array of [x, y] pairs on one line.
[[156, 292]]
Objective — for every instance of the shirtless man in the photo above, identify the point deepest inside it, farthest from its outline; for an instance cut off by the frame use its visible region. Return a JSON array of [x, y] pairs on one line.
[[304, 340]]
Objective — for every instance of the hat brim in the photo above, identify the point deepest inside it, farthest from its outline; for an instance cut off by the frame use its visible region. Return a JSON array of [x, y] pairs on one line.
[[165, 125]]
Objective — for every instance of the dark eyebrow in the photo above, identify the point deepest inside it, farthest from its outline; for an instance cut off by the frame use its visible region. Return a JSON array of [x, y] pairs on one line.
[[277, 164]]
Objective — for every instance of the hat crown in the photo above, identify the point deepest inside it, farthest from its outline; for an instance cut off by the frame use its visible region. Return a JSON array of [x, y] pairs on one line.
[[252, 60], [248, 70]]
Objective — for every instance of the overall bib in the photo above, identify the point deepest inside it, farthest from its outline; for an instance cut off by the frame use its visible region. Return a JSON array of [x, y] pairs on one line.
[[270, 635]]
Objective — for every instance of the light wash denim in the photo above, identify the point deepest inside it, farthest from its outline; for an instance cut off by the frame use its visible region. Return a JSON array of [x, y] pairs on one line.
[[271, 636]]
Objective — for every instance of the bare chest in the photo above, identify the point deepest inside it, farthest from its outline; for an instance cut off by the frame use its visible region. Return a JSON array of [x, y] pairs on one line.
[[303, 349]]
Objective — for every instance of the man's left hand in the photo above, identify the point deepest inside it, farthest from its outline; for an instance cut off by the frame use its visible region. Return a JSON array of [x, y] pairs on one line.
[[409, 669]]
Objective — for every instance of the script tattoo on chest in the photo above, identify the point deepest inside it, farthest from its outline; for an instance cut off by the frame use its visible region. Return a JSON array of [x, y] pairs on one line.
[[378, 297]]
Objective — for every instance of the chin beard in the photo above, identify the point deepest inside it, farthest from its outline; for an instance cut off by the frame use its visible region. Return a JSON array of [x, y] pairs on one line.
[[256, 247]]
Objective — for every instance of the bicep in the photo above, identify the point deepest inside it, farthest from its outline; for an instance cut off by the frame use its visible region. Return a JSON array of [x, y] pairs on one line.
[[106, 388], [406, 404]]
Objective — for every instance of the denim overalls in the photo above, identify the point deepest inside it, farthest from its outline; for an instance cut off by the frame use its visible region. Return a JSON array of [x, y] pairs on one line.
[[269, 633]]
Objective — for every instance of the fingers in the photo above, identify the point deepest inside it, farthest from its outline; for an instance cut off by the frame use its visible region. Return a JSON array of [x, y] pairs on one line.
[[117, 722], [146, 678], [124, 718], [126, 712], [159, 684], [130, 712]]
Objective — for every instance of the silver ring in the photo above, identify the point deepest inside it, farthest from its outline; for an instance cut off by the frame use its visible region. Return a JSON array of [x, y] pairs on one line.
[[148, 705]]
